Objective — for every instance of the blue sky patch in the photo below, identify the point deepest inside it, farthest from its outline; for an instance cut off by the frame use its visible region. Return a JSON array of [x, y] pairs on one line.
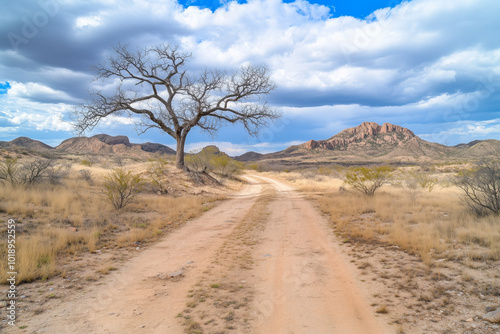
[[4, 87]]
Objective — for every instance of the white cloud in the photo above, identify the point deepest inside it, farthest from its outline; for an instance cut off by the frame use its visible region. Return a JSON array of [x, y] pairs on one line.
[[27, 115], [422, 61], [88, 21], [464, 131], [33, 90]]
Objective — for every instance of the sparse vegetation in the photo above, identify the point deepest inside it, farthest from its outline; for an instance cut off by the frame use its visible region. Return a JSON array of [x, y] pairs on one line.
[[413, 181], [59, 220], [430, 226], [211, 160], [157, 174], [225, 166], [29, 172], [122, 186], [481, 187], [368, 179]]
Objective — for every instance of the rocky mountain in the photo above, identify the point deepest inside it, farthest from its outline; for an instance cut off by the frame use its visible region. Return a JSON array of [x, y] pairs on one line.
[[371, 142], [26, 143], [368, 134], [105, 144], [370, 139]]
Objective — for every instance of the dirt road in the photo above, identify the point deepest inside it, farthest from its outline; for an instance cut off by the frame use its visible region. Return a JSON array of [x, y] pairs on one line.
[[299, 281]]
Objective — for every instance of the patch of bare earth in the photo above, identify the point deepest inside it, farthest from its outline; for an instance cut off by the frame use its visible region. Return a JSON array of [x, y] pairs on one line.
[[449, 293], [260, 262]]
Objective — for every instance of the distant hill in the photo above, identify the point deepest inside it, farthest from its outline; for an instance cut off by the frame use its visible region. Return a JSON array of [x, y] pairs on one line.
[[26, 143], [249, 156], [105, 144], [365, 143]]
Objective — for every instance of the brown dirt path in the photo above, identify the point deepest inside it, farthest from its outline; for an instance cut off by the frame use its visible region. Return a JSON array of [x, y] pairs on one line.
[[139, 297], [302, 283]]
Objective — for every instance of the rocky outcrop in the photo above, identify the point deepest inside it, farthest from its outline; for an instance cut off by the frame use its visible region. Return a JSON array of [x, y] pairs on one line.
[[113, 140], [365, 134], [156, 148]]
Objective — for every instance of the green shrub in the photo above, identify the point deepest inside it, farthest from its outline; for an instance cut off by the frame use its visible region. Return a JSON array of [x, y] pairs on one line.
[[121, 187], [86, 162], [368, 179], [157, 174]]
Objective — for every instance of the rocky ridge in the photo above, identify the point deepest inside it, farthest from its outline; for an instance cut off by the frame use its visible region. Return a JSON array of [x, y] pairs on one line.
[[366, 134]]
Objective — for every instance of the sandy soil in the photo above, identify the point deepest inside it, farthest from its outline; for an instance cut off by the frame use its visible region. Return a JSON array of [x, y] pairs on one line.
[[299, 281], [304, 284]]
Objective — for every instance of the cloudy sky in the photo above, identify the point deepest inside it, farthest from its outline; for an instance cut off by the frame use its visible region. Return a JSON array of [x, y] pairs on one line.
[[430, 65]]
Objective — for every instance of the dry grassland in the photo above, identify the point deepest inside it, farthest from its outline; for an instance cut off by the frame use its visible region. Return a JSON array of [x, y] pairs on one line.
[[435, 224], [427, 261], [58, 223]]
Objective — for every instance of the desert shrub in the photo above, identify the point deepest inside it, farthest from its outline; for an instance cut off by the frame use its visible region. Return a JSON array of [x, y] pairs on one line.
[[253, 167], [121, 187], [413, 181], [56, 173], [211, 160], [201, 161], [157, 174], [86, 163], [224, 165], [481, 187], [86, 174], [368, 179], [35, 171], [9, 171], [28, 173]]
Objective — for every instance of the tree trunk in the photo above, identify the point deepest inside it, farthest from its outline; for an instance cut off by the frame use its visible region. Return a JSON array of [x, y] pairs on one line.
[[179, 154]]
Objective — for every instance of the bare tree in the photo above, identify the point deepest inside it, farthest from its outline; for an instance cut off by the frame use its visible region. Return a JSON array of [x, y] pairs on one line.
[[165, 96], [481, 186]]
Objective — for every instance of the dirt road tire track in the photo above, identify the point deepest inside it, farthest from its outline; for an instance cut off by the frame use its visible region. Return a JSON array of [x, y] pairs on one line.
[[303, 284]]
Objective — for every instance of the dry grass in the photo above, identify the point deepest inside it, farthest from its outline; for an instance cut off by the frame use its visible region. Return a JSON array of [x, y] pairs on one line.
[[433, 224], [55, 222], [37, 254]]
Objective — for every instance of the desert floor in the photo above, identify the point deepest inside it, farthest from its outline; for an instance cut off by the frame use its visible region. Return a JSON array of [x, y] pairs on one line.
[[264, 261]]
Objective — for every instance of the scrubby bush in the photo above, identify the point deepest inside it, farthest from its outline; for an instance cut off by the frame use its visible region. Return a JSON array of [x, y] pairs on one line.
[[35, 171], [225, 166], [481, 187], [9, 171], [86, 174], [121, 187], [413, 181], [157, 174], [30, 172], [202, 160], [210, 159], [368, 179], [86, 163]]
